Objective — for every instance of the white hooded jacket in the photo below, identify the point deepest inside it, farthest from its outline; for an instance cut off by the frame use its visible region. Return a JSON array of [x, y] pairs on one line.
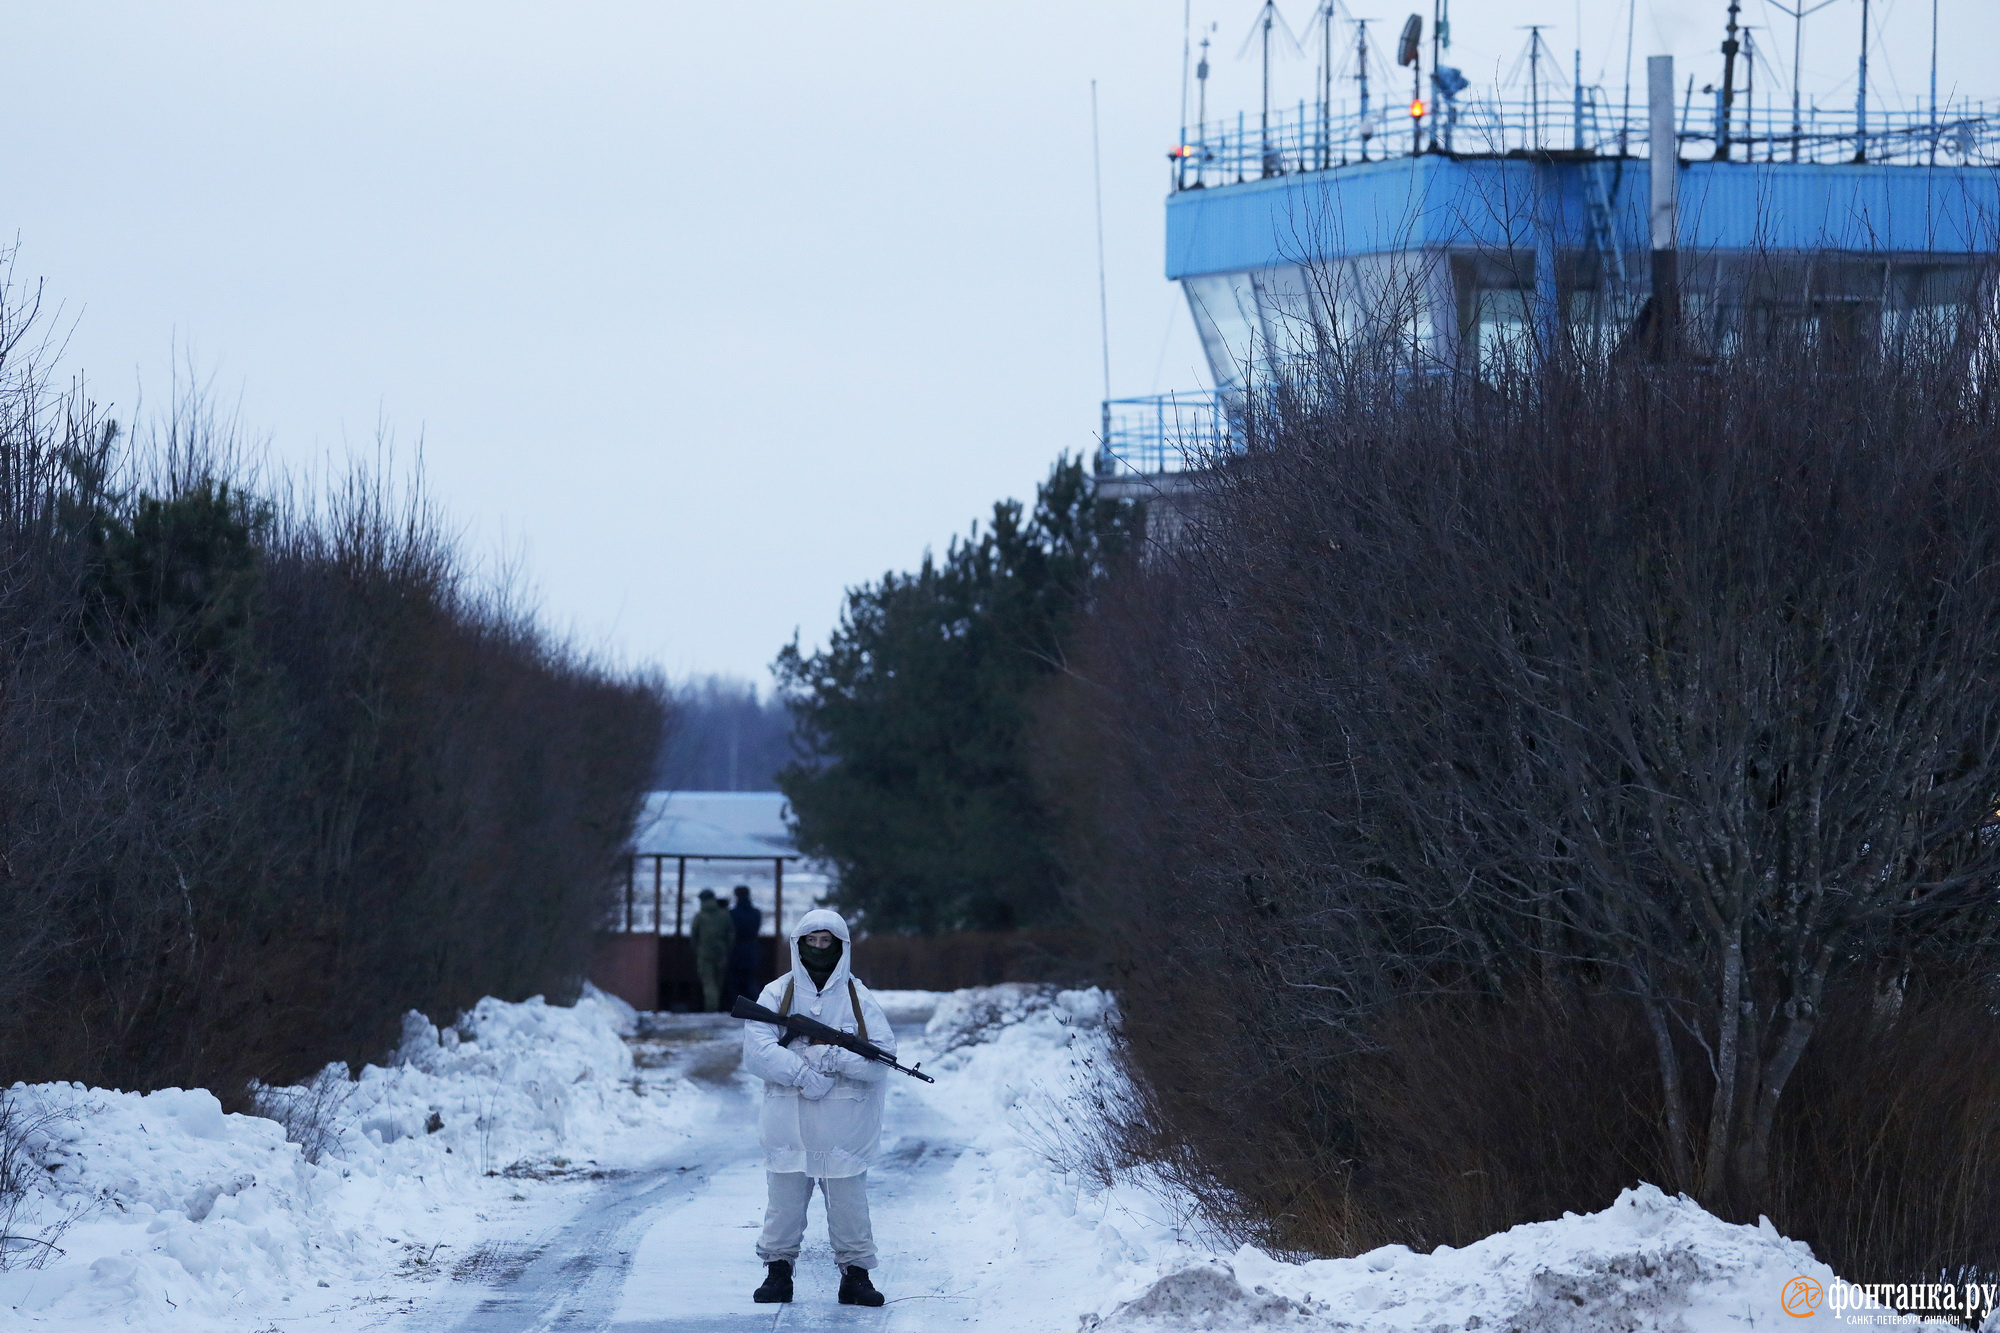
[[839, 1134]]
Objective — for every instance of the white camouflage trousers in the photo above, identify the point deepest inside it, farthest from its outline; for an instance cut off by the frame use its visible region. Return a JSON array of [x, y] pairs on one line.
[[847, 1228]]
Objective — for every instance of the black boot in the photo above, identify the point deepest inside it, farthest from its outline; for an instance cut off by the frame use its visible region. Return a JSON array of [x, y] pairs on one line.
[[856, 1289], [777, 1288]]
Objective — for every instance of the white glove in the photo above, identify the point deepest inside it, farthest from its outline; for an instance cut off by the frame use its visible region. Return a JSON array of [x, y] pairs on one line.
[[840, 1060], [813, 1085]]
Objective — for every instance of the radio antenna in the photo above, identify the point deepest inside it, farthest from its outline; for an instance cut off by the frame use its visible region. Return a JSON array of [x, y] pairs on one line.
[[1440, 38], [1187, 52], [1798, 14], [1934, 118], [1534, 83], [1103, 300], [1861, 94], [1361, 77], [1267, 19], [1264, 117], [1327, 85], [1750, 93], [1730, 46], [1410, 51], [1201, 96], [1625, 115]]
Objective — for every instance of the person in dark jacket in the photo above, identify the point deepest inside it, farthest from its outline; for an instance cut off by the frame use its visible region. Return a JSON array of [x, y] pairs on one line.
[[714, 945], [746, 968]]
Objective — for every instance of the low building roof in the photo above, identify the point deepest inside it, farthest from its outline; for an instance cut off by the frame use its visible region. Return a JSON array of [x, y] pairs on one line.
[[725, 824]]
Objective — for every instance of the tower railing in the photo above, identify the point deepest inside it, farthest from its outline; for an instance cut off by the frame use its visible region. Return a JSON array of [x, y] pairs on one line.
[[1166, 432], [1314, 138]]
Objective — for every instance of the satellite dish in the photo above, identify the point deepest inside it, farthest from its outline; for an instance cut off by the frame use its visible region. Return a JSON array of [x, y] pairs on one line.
[[1413, 34]]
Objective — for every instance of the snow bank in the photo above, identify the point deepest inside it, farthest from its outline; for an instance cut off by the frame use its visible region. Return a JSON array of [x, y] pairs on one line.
[[181, 1216], [1022, 1068], [503, 1088], [1646, 1262]]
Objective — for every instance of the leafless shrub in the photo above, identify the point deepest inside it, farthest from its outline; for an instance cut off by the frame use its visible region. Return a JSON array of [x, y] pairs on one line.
[[22, 1126], [1566, 749], [312, 1112], [274, 768]]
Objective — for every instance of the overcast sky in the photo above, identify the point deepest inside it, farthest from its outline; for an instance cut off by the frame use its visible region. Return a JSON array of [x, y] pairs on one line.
[[702, 312]]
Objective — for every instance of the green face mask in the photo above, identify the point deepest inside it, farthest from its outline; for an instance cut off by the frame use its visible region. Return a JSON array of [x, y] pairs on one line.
[[819, 962]]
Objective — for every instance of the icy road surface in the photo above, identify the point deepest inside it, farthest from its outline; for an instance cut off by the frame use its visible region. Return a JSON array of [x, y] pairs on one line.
[[670, 1249]]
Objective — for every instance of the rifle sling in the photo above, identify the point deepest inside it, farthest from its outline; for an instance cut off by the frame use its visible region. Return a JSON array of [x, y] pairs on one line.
[[853, 1000]]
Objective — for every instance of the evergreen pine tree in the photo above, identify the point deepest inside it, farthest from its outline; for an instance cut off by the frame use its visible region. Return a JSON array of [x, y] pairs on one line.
[[914, 780]]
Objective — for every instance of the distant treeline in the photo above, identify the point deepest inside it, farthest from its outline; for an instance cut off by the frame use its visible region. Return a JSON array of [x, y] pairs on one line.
[[724, 736], [272, 771]]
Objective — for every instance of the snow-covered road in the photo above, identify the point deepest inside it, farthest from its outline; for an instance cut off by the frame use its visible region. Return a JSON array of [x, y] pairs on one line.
[[530, 1168], [538, 1169], [694, 1265], [668, 1249]]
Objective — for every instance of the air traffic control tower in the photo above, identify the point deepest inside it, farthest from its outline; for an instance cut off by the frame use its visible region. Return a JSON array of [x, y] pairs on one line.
[[1467, 228]]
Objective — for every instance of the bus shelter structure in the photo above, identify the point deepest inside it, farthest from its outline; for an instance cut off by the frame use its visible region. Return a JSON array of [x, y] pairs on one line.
[[644, 953], [745, 829]]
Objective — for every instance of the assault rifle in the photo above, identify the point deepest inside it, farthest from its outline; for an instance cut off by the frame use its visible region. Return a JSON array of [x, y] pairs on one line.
[[798, 1025]]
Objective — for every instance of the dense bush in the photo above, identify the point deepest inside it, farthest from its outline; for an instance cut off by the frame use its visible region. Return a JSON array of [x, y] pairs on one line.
[[1505, 791], [271, 771], [915, 719]]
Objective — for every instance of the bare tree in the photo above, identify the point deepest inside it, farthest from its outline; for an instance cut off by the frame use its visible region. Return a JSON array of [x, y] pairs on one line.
[[272, 771], [1676, 687]]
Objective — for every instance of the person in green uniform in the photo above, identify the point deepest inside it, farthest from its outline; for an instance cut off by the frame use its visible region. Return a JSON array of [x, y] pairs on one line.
[[714, 936]]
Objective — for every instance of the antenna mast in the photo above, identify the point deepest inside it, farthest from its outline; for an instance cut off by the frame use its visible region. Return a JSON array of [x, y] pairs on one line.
[[1535, 84], [1861, 94], [1264, 122], [1440, 29], [1361, 77], [1576, 97], [1798, 16], [1187, 46], [1934, 119], [1730, 46], [1103, 300], [1410, 51], [1201, 109], [1625, 113], [1749, 93], [1326, 85], [1201, 81]]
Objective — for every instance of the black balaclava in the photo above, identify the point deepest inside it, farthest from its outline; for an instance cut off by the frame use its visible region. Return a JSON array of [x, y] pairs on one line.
[[820, 962]]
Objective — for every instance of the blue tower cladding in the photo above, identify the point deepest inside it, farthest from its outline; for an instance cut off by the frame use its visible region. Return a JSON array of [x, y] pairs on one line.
[[1453, 253], [1470, 243]]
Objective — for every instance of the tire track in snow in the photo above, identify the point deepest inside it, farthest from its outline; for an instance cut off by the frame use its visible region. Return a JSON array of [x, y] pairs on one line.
[[569, 1278]]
